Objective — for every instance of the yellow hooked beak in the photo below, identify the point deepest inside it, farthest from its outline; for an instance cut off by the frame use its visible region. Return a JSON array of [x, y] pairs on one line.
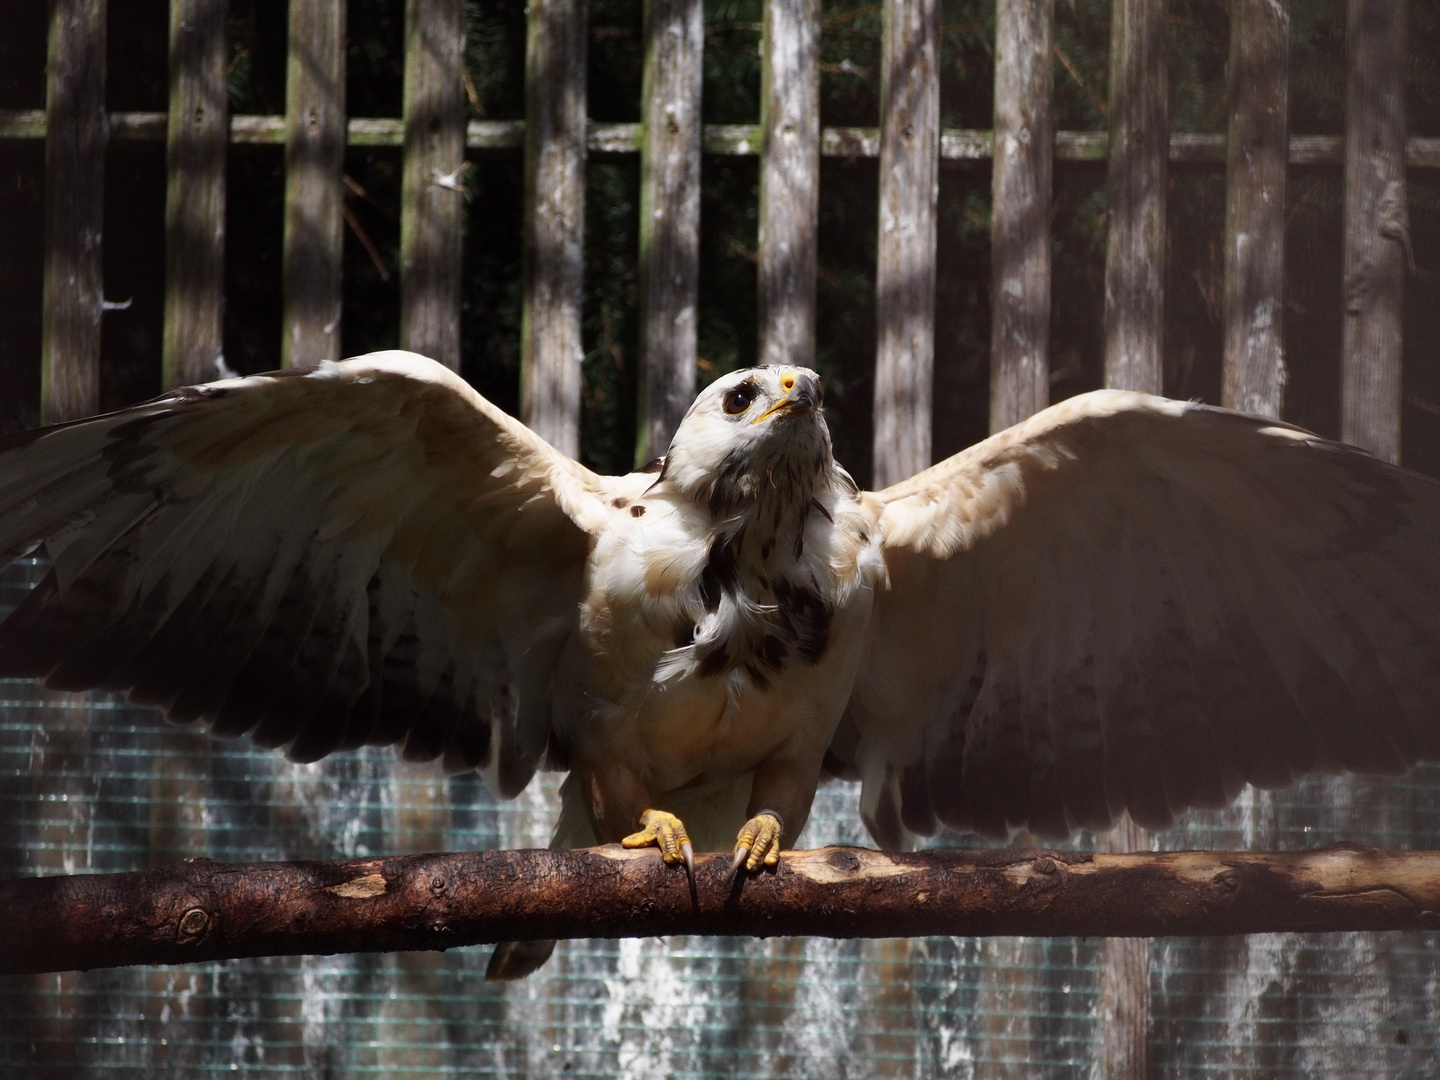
[[800, 393]]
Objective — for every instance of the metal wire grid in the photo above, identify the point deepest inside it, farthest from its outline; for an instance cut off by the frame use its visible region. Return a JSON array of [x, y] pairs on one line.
[[88, 783]]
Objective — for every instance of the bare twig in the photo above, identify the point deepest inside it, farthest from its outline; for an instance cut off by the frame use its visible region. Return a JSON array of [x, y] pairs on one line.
[[366, 242], [1069, 65]]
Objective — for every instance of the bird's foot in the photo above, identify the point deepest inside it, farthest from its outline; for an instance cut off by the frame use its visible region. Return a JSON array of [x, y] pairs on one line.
[[667, 833], [758, 842]]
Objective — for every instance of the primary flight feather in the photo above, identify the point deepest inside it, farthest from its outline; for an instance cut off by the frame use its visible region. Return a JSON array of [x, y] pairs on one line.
[[1123, 603]]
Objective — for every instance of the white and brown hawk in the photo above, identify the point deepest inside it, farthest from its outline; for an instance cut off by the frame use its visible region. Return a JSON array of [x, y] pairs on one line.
[[1124, 603]]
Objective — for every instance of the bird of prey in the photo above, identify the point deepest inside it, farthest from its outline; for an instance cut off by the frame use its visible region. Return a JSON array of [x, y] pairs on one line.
[[1124, 603]]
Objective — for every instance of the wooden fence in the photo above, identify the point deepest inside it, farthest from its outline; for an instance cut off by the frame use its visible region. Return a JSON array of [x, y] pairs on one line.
[[556, 137]]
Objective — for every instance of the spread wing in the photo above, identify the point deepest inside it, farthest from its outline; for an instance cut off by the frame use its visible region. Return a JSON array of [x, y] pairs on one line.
[[1130, 603], [367, 552]]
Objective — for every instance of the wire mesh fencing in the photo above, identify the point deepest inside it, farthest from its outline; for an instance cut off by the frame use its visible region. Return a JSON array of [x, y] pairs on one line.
[[90, 784]]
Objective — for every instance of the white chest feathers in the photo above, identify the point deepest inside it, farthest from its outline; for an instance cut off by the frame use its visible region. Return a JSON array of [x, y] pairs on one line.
[[678, 593]]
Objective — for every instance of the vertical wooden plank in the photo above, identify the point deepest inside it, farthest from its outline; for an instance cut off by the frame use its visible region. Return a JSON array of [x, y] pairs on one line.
[[905, 253], [1134, 360], [432, 183], [554, 220], [1020, 211], [1255, 156], [1376, 225], [1019, 385], [1005, 1031], [314, 179], [669, 218], [1135, 245], [1376, 255], [74, 210], [789, 181], [196, 138], [1125, 984]]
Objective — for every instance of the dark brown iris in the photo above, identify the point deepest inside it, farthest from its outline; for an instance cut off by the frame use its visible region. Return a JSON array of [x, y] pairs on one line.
[[738, 400]]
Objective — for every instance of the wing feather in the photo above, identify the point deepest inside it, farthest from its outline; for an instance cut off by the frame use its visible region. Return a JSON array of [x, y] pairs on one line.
[[367, 552], [1129, 603]]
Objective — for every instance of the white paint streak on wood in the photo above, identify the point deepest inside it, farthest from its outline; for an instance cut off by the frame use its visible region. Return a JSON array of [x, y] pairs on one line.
[[365, 887]]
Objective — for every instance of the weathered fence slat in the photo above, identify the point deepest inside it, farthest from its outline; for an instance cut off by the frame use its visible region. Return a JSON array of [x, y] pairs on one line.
[[1023, 149], [314, 181], [789, 181], [1377, 243], [1134, 360], [669, 218], [555, 149], [1020, 216], [432, 179], [74, 210], [1135, 245], [905, 252], [1254, 363], [195, 148], [1125, 983]]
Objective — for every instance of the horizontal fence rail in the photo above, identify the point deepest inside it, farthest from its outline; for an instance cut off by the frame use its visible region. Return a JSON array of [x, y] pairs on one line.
[[733, 140]]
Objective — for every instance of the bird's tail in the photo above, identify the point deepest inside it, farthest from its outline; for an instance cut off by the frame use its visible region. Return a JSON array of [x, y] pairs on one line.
[[516, 959]]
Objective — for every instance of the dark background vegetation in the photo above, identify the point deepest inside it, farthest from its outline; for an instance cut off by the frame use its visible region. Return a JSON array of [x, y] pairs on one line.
[[135, 182]]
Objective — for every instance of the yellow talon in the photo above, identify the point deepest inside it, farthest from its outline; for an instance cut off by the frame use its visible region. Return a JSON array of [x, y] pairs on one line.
[[758, 841], [666, 832]]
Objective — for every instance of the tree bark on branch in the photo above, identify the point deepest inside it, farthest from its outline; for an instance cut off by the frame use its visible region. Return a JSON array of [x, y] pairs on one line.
[[202, 910]]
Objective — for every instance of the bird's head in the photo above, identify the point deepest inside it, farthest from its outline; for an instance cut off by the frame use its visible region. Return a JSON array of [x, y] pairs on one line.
[[752, 434]]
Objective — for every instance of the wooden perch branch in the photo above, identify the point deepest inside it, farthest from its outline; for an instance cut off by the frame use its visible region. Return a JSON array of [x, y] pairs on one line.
[[201, 910]]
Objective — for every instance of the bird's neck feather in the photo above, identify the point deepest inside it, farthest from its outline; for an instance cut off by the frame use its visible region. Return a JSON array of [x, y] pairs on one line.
[[760, 516], [771, 487]]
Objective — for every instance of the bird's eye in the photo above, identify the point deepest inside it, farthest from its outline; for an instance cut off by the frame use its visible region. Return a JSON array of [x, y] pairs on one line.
[[738, 400]]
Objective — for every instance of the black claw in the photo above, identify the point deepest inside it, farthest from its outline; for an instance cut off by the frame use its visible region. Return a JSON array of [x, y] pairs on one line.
[[741, 853]]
